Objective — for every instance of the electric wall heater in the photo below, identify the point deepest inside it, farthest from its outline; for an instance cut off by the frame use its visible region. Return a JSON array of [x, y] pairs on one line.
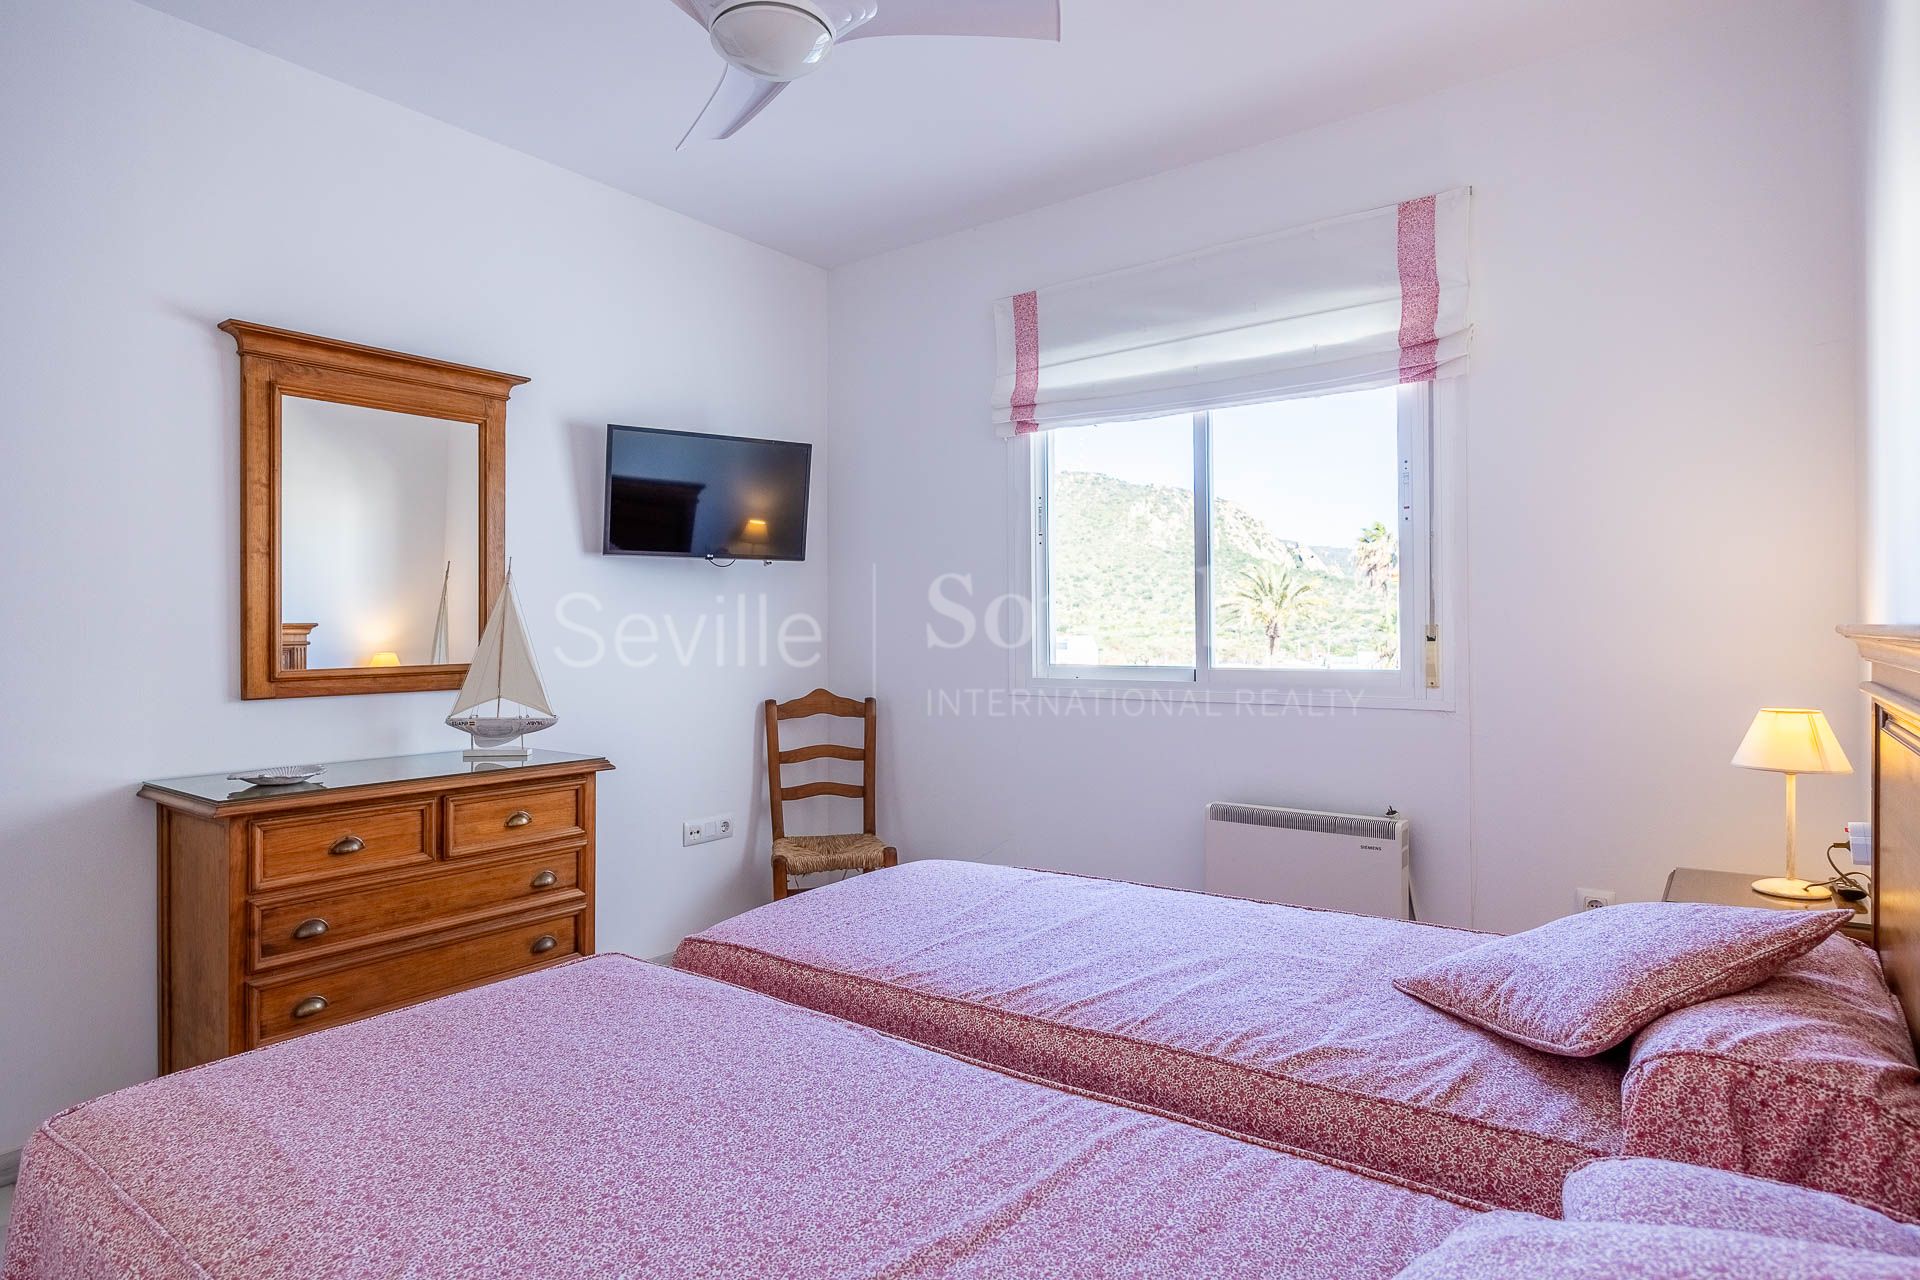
[[1339, 861]]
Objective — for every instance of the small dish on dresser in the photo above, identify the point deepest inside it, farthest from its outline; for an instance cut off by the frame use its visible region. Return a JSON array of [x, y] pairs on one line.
[[285, 775]]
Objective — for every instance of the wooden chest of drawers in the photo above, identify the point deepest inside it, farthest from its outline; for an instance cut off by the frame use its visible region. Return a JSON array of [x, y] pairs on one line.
[[385, 882]]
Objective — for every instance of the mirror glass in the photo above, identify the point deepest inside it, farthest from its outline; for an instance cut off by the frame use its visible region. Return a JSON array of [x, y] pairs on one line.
[[379, 537]]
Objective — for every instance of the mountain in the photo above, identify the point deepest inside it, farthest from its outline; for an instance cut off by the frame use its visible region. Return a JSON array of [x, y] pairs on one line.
[[1338, 560], [1122, 583]]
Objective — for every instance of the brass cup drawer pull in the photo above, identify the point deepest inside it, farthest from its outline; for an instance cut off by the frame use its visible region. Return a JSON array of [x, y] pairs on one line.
[[544, 943], [310, 928], [519, 818], [545, 880], [310, 1006], [347, 844]]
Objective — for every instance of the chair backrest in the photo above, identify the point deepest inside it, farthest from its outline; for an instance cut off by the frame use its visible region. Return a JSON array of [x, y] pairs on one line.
[[818, 703]]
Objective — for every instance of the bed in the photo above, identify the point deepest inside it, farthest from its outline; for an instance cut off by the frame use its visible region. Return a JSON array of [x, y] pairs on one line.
[[1277, 1023], [610, 1117], [1282, 1024]]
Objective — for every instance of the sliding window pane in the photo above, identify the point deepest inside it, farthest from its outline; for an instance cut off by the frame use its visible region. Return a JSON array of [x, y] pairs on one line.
[[1306, 555], [1120, 544]]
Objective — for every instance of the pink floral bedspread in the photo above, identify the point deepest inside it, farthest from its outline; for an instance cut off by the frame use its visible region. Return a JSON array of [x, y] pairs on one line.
[[610, 1118], [1277, 1023]]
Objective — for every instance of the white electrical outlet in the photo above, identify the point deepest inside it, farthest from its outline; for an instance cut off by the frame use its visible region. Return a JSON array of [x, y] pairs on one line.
[[706, 830], [1860, 843], [1594, 898]]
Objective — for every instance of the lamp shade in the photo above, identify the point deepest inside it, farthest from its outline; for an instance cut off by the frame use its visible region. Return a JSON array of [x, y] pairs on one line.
[[1791, 740]]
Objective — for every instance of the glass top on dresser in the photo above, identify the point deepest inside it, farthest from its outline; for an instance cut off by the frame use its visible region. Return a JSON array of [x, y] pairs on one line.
[[345, 775]]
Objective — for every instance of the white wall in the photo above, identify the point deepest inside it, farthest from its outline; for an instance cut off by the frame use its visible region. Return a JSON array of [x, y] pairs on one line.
[[1659, 461], [155, 179], [1891, 31]]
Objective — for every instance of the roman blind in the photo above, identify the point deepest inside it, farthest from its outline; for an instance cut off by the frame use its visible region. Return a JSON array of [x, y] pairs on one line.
[[1365, 300]]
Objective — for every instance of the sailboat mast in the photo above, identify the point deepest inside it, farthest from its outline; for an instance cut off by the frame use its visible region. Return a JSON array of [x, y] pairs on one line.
[[500, 651]]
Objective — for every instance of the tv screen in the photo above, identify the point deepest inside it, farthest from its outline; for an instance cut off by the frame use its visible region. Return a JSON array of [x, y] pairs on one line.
[[679, 493]]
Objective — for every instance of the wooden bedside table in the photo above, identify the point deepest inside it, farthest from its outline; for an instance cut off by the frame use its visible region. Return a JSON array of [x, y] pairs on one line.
[[1735, 889]]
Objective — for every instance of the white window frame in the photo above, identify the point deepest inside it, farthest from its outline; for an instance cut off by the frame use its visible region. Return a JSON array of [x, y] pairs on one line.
[[1429, 671]]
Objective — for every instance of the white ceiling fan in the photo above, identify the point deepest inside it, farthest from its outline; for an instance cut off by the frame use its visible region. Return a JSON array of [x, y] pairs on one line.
[[767, 44]]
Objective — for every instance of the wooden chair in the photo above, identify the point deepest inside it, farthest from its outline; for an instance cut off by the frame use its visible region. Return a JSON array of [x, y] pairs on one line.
[[803, 855]]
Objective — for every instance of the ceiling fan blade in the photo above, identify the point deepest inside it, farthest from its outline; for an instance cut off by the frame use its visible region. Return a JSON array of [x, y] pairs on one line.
[[1021, 19], [692, 9], [737, 99]]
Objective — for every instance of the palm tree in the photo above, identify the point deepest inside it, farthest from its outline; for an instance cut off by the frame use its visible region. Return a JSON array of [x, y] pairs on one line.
[[1383, 636], [1269, 597], [1376, 557]]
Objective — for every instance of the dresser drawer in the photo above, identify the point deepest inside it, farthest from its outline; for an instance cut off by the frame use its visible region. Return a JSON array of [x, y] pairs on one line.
[[341, 842], [306, 928], [282, 1007], [492, 820]]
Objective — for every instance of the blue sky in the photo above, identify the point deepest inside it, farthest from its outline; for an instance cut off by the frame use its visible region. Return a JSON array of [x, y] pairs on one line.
[[1315, 470]]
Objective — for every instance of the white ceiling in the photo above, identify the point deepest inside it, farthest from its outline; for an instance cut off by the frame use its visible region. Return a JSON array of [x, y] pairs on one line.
[[900, 140]]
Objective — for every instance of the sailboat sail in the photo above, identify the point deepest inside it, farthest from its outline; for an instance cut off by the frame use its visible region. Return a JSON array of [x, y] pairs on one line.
[[503, 670], [440, 622], [503, 665]]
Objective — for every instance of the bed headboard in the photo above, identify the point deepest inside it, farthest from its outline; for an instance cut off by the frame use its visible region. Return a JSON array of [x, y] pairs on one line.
[[1894, 686]]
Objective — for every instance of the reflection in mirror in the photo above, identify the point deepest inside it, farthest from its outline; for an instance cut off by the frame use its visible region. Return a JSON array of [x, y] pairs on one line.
[[379, 537]]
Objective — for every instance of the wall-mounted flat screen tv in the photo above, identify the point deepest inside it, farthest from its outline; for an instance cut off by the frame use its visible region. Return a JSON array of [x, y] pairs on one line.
[[680, 493]]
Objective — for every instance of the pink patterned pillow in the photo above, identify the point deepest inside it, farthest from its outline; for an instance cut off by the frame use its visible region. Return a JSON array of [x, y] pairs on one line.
[[1504, 1245], [1661, 1193], [1582, 984], [1808, 1078]]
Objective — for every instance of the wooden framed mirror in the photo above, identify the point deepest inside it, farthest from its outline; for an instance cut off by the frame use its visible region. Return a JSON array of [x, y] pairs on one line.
[[373, 514]]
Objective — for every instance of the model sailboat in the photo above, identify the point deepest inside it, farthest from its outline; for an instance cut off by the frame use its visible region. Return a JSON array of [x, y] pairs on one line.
[[503, 671]]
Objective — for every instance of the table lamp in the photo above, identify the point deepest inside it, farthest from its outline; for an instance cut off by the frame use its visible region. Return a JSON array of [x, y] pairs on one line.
[[1793, 741]]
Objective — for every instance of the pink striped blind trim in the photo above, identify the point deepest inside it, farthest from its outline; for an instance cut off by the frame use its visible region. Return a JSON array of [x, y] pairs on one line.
[[1419, 291], [1026, 361]]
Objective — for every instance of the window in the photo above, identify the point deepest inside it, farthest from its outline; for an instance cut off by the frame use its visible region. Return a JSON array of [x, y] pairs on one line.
[[1269, 546]]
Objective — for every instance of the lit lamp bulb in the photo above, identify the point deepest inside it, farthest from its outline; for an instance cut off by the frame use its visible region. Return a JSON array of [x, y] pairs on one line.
[[385, 658], [771, 39]]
